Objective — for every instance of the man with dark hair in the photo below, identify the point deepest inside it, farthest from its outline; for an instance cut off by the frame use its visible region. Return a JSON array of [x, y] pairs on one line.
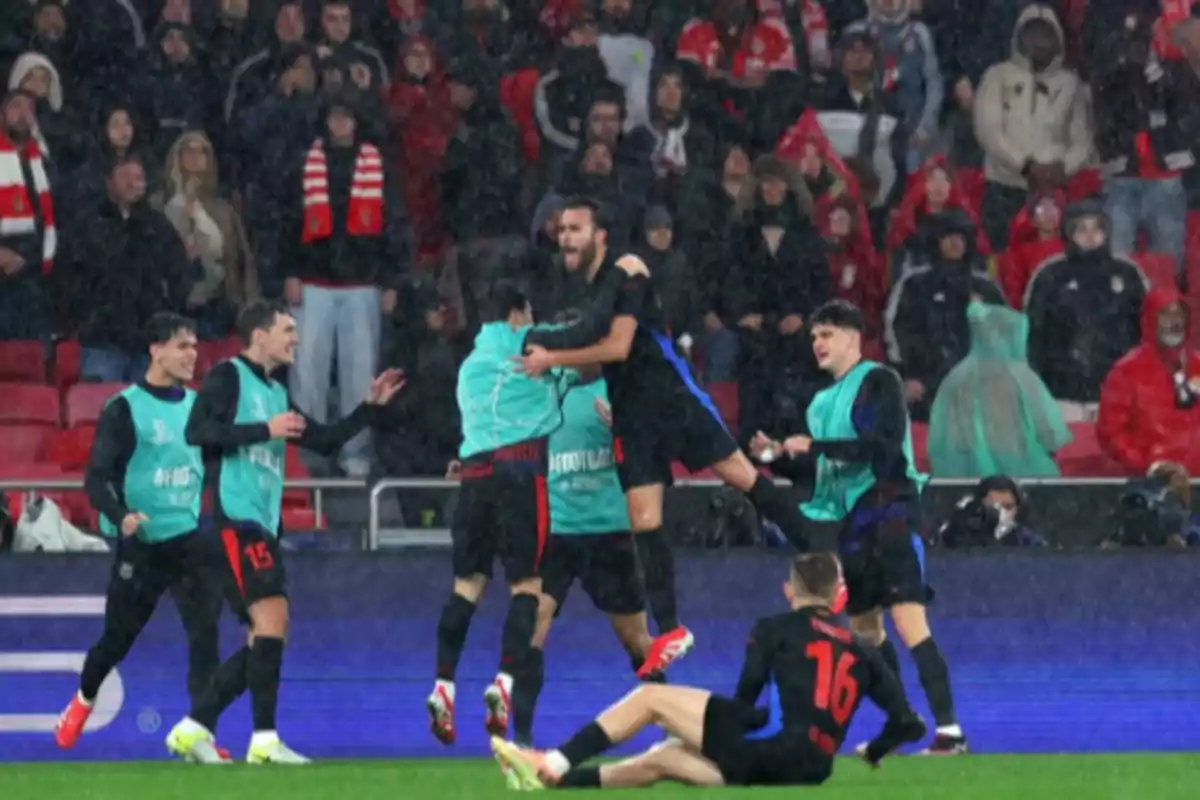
[[818, 674], [867, 485], [145, 479], [659, 413], [503, 507], [244, 419]]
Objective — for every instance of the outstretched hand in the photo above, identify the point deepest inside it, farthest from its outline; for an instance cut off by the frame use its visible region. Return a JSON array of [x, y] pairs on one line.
[[536, 361], [385, 387]]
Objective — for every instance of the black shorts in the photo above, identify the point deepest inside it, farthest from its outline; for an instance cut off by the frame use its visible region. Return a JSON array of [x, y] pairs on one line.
[[503, 513], [786, 759], [254, 568], [605, 563], [651, 436], [884, 565], [142, 572]]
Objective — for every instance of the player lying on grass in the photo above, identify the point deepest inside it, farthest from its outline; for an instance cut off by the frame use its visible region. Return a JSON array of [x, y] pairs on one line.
[[819, 672]]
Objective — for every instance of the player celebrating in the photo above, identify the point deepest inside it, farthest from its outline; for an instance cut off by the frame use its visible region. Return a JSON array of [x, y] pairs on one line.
[[589, 542], [144, 479], [858, 432], [502, 510], [659, 413], [243, 419], [819, 671]]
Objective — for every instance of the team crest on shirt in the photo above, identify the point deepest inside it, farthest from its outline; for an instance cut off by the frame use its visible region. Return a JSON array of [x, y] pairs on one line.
[[1118, 285], [125, 570], [161, 434], [258, 408]]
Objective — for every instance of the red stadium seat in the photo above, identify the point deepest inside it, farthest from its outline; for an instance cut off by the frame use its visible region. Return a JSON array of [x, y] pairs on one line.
[[85, 401], [920, 441], [1159, 269], [24, 444], [66, 364], [298, 511], [725, 396], [23, 362], [73, 503], [29, 404], [1192, 254], [1084, 458], [212, 353], [70, 448]]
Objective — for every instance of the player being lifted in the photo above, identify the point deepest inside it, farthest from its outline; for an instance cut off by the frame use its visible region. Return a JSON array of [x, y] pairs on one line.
[[503, 505], [858, 434], [818, 675], [659, 413], [145, 481], [590, 542], [243, 420]]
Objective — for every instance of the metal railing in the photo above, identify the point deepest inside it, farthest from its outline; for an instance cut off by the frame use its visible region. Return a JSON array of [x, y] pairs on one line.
[[318, 486]]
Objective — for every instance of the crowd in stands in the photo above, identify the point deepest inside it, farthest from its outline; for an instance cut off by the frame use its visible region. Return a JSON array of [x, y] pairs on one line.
[[1004, 187]]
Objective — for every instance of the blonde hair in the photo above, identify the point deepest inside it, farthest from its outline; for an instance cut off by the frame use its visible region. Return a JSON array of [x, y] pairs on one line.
[[1176, 476]]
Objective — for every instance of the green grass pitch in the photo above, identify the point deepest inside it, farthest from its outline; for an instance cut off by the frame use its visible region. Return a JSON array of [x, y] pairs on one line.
[[1116, 777]]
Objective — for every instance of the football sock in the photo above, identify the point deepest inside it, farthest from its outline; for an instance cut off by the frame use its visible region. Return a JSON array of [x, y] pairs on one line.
[[935, 680], [581, 778], [452, 635], [890, 656], [589, 742], [635, 663], [227, 685], [777, 506], [518, 631], [262, 677], [526, 688], [658, 566]]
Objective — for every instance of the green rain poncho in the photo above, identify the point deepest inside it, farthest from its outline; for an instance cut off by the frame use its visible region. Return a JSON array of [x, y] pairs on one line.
[[992, 414]]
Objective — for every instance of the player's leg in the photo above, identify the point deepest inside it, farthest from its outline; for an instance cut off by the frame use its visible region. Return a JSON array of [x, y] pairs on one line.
[[610, 578], [666, 761], [473, 549], [771, 501], [135, 584], [902, 559], [678, 710], [196, 592]]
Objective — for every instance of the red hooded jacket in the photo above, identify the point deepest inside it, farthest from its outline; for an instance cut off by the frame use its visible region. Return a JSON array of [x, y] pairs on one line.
[[914, 207], [1026, 249], [856, 269], [1139, 421]]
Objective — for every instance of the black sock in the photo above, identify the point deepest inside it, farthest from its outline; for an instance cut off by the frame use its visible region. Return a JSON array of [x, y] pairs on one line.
[[775, 504], [890, 656], [636, 661], [589, 742], [658, 566], [935, 680], [262, 676], [527, 685], [452, 635], [227, 685], [581, 778], [518, 630]]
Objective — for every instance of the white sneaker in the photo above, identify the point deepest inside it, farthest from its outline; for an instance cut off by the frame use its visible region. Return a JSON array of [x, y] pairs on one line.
[[195, 744], [496, 700], [266, 748]]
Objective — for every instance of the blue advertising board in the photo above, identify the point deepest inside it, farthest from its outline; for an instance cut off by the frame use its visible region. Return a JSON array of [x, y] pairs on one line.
[[1048, 653]]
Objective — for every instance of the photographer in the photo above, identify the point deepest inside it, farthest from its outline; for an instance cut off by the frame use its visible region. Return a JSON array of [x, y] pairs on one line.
[[1155, 511], [992, 514]]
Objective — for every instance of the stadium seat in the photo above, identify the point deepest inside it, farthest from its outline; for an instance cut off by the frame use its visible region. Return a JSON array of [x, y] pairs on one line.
[[1192, 254], [29, 404], [725, 396], [920, 440], [66, 364], [209, 354], [73, 503], [1159, 269], [298, 511], [1084, 458], [85, 401], [70, 448], [24, 444], [23, 362]]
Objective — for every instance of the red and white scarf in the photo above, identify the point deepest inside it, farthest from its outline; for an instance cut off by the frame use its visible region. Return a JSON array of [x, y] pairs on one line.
[[17, 216], [365, 213]]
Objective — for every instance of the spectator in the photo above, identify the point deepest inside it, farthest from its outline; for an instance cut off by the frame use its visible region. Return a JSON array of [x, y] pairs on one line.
[[344, 251], [28, 238], [1142, 110], [682, 147], [628, 58], [1032, 120], [1083, 312], [487, 30], [213, 235], [231, 41], [35, 75], [931, 191], [995, 512], [673, 278], [368, 70], [809, 26], [992, 415], [422, 117], [124, 264], [596, 176], [1034, 237], [926, 324], [1148, 402], [860, 83], [912, 61], [856, 269], [177, 88], [252, 80], [778, 276]]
